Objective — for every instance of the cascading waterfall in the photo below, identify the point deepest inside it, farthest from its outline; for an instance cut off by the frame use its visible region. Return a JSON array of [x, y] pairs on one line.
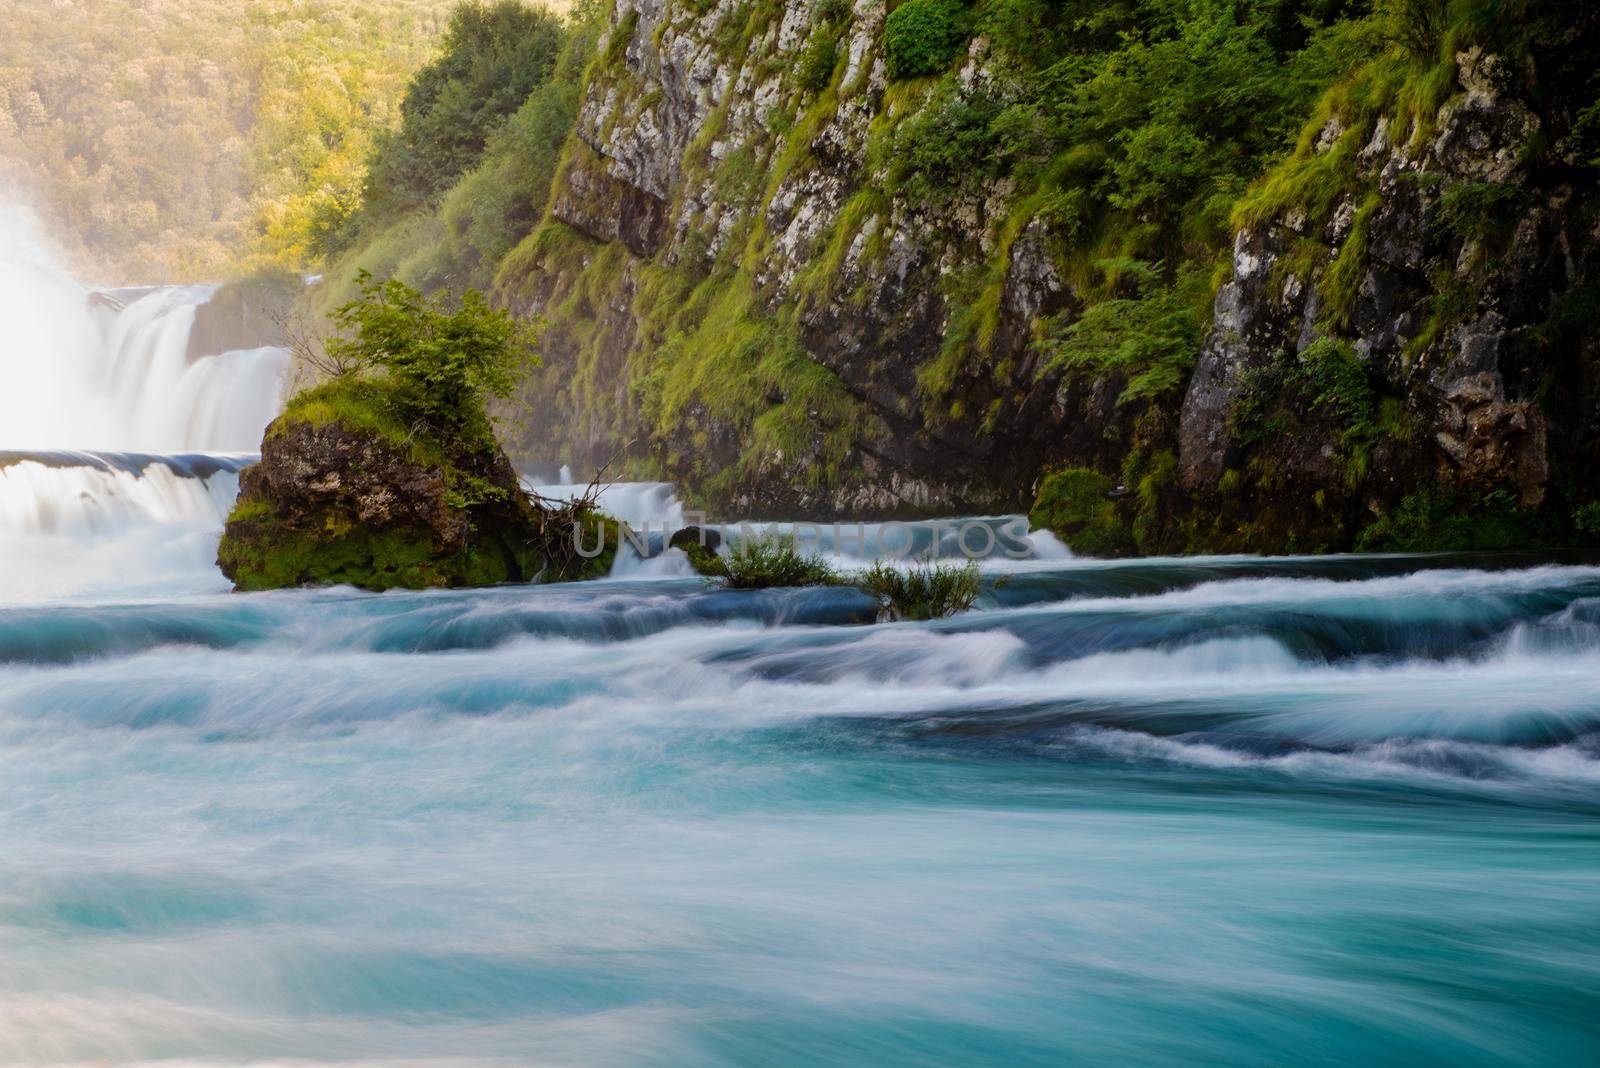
[[110, 371], [86, 373]]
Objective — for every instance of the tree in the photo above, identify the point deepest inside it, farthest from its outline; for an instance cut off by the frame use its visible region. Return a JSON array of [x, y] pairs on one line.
[[493, 57], [445, 359]]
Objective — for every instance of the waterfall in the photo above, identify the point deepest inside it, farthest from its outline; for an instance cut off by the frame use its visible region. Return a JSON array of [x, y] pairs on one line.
[[110, 371], [88, 371]]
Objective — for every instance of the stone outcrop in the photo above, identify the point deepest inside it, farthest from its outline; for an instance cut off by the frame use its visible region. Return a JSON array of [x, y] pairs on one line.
[[894, 353], [1463, 252], [683, 153], [244, 315], [334, 502]]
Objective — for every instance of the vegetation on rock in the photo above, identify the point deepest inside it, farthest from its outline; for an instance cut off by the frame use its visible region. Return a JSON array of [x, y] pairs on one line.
[[1077, 505], [390, 475], [925, 36], [922, 591], [766, 562], [929, 252]]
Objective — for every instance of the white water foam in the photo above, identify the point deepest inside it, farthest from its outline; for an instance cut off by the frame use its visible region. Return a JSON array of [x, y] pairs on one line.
[[80, 373], [102, 529], [81, 370]]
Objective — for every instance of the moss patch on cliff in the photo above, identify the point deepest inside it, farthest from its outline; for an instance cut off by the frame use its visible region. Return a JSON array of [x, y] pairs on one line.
[[264, 552]]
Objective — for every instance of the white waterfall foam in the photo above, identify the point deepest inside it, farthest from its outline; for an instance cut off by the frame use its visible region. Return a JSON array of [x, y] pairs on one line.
[[38, 497], [112, 524], [111, 371], [81, 372]]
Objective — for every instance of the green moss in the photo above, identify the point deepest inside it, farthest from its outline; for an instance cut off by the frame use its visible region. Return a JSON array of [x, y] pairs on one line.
[[260, 552], [575, 527], [1075, 504], [868, 205]]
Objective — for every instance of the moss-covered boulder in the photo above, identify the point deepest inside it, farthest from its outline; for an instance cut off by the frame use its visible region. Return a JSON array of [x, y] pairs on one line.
[[1077, 505], [700, 544], [348, 492]]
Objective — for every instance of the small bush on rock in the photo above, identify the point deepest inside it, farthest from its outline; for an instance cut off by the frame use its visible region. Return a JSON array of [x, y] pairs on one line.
[[443, 361], [818, 60], [764, 563], [924, 591]]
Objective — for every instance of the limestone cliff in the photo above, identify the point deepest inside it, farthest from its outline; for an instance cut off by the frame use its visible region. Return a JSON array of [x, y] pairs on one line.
[[798, 285], [731, 289], [1444, 260]]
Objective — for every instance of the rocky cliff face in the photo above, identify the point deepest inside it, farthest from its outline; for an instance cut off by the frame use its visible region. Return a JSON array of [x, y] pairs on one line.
[[704, 175], [741, 298], [1449, 262]]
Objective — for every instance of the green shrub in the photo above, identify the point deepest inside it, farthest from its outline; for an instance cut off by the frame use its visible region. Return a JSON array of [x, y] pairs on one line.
[[1333, 380], [1417, 26], [1432, 520], [946, 147], [764, 563], [1474, 211], [815, 70], [445, 360], [1075, 504], [924, 591], [1153, 339], [923, 37]]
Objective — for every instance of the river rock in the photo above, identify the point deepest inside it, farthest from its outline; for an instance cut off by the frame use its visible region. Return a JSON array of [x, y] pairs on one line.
[[339, 501]]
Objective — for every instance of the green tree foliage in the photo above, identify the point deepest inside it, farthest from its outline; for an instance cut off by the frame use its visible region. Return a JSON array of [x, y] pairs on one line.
[[1132, 128], [925, 36], [445, 358], [492, 58], [455, 236], [189, 139]]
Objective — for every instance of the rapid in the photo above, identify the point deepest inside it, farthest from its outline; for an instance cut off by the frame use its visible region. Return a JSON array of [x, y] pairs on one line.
[[1240, 811]]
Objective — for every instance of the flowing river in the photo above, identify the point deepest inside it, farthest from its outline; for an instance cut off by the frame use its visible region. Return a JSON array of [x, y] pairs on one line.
[[1187, 811]]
